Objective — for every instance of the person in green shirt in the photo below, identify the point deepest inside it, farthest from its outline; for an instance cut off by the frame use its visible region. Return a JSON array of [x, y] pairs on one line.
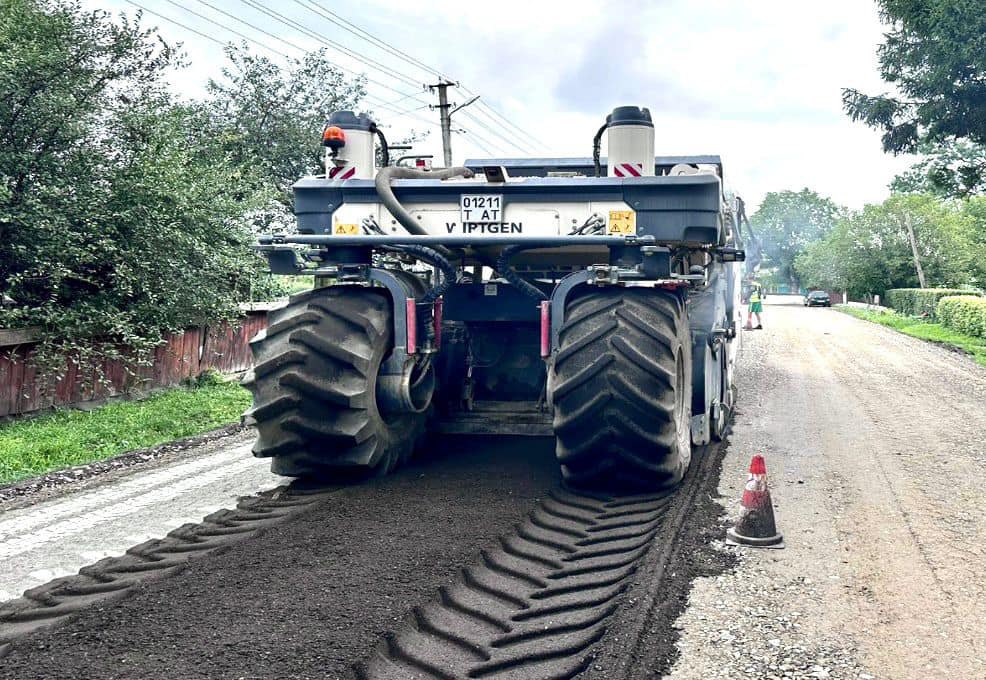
[[756, 305]]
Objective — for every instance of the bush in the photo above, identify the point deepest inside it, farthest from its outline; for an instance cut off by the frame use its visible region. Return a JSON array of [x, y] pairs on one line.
[[919, 301], [963, 313]]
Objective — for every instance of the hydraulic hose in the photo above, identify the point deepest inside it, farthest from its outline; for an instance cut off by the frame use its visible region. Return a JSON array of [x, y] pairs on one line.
[[503, 269], [386, 192], [448, 276], [384, 147], [597, 142], [436, 259]]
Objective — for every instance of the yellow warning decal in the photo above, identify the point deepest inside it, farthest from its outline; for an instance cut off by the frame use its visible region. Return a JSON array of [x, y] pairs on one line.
[[622, 222], [346, 230]]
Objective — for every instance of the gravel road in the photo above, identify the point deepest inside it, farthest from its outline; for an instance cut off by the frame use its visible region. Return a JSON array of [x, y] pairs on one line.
[[58, 535], [875, 445]]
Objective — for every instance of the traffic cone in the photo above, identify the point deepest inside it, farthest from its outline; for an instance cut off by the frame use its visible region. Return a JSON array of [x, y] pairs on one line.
[[756, 527], [749, 322]]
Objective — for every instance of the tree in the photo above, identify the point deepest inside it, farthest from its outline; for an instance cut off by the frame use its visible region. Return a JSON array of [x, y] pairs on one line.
[[972, 237], [935, 56], [119, 215], [951, 169], [787, 222], [270, 119], [821, 264], [868, 251]]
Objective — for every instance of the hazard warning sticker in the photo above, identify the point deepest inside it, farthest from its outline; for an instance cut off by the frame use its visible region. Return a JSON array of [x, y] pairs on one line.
[[622, 222], [346, 230]]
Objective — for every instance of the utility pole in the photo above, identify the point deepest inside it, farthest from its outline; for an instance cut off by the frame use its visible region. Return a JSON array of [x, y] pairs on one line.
[[445, 112], [914, 249], [446, 118]]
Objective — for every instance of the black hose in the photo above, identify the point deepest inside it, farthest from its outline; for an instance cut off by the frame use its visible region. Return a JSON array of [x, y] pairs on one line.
[[431, 256], [597, 142], [384, 147], [503, 269], [449, 275]]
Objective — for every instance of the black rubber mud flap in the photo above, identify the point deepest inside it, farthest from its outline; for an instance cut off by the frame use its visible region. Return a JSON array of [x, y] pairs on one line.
[[621, 389], [314, 381]]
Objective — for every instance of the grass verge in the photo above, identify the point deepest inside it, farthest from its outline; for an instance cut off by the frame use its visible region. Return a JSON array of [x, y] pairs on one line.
[[925, 330], [36, 445]]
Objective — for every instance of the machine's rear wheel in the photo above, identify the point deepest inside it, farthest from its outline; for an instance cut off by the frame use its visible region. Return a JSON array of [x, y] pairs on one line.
[[314, 387], [621, 389]]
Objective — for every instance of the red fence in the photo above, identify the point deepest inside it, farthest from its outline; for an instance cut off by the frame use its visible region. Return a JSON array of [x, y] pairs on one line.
[[224, 348]]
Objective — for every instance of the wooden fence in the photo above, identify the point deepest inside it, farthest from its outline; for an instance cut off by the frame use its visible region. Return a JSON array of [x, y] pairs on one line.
[[223, 348]]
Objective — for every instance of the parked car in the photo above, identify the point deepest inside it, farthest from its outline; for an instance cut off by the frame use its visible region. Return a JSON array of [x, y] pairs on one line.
[[818, 298]]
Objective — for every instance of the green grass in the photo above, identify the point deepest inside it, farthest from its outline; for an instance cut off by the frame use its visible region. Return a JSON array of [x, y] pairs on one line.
[[299, 284], [36, 445], [925, 330]]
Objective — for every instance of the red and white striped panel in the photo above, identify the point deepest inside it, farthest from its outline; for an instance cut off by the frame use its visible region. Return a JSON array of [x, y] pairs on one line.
[[343, 172], [628, 169]]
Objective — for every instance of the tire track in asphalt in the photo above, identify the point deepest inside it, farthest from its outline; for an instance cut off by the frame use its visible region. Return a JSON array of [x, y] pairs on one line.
[[311, 597], [56, 536], [568, 575], [114, 577], [535, 605]]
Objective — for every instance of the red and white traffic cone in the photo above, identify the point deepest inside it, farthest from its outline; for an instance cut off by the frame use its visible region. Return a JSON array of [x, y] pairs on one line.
[[756, 527]]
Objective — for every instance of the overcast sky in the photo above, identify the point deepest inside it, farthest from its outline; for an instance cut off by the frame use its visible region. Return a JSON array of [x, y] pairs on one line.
[[758, 82]]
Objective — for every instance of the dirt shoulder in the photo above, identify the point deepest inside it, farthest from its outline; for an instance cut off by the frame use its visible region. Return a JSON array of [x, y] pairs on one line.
[[874, 446]]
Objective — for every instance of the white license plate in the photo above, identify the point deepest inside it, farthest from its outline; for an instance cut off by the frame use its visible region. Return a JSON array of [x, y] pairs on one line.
[[480, 209]]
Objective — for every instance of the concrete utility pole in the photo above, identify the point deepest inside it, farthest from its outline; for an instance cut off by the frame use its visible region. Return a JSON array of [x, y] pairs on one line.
[[445, 111], [446, 118], [914, 249]]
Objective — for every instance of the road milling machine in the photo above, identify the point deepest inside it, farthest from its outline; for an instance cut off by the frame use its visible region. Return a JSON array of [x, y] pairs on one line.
[[593, 300]]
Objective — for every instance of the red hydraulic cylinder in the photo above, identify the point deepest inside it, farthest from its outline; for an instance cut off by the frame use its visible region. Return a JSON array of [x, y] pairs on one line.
[[545, 328], [412, 326]]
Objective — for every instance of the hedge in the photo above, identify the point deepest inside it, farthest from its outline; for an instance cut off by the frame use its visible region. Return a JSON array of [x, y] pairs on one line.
[[919, 301], [964, 313]]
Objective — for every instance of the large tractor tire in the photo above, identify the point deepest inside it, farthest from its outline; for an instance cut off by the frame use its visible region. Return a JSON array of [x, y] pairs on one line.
[[621, 389], [314, 388]]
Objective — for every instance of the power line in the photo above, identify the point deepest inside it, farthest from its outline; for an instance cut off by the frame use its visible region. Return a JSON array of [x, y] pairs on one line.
[[199, 33], [493, 132], [276, 37], [407, 96], [382, 68], [231, 30], [489, 108], [341, 22], [498, 148], [367, 98], [492, 114], [475, 140]]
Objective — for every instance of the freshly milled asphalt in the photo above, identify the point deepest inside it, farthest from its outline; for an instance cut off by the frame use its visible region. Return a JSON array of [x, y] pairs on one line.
[[313, 596]]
